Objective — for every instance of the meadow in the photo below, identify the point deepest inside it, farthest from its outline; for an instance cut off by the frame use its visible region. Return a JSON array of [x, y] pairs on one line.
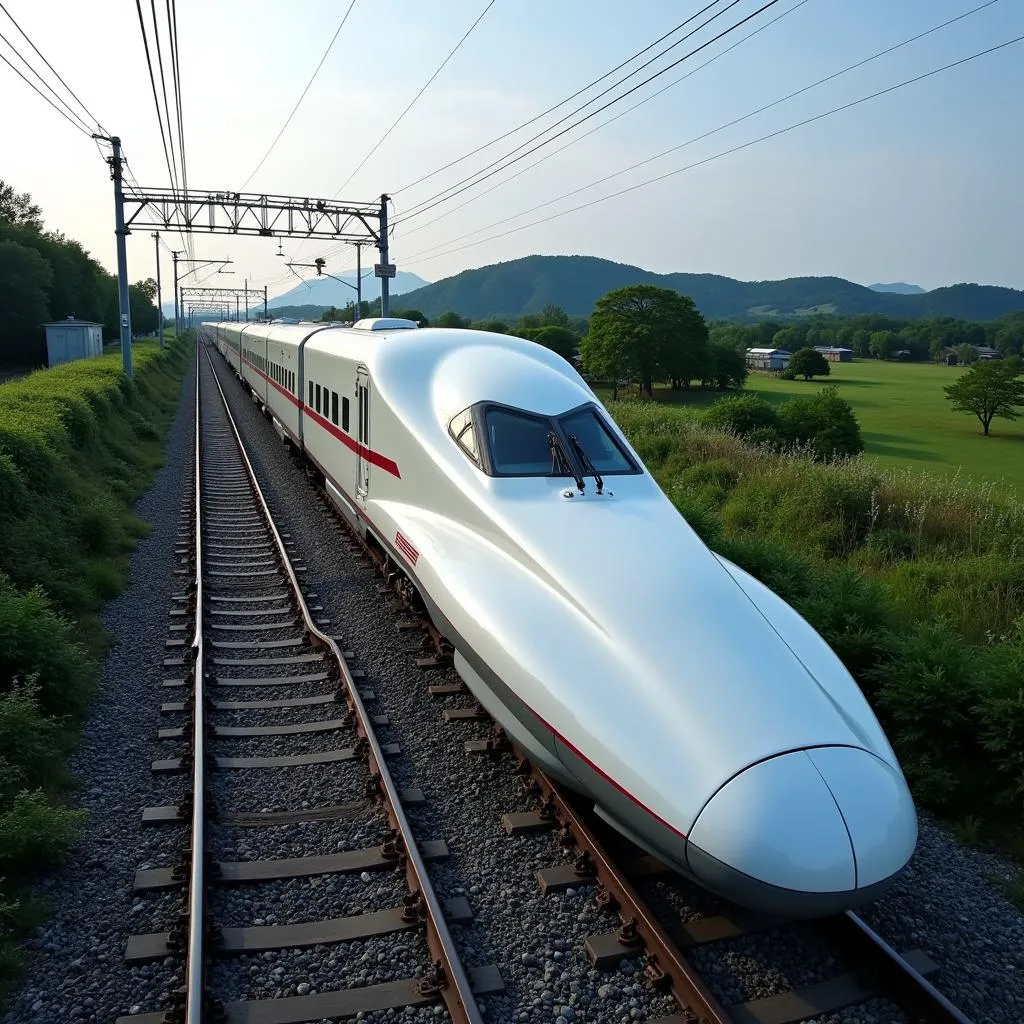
[[905, 419]]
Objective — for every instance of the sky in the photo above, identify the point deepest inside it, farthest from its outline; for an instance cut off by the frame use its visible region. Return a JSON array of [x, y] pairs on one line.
[[919, 185]]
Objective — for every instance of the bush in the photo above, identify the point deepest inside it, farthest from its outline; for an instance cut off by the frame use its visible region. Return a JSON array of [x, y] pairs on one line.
[[824, 422], [35, 834], [741, 415]]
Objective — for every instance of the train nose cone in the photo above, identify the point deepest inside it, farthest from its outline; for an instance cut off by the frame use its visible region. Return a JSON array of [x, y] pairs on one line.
[[805, 833]]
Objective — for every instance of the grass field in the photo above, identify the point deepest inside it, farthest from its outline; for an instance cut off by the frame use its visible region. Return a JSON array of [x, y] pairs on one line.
[[905, 418]]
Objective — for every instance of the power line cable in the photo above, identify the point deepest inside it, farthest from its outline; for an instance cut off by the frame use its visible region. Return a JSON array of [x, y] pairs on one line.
[[737, 149], [551, 110], [713, 131], [46, 85], [475, 180], [156, 99], [409, 107], [35, 88], [172, 29], [163, 80], [597, 128], [298, 103], [71, 91]]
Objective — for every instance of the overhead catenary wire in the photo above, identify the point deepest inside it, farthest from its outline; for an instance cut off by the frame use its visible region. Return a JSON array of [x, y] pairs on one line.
[[171, 173], [163, 79], [172, 31], [552, 109], [714, 131], [736, 149], [497, 166], [298, 102], [36, 89], [413, 101], [71, 92], [587, 134]]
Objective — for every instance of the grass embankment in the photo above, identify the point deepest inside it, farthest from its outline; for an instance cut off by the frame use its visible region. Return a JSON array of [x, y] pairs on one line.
[[904, 416], [78, 446], [917, 582]]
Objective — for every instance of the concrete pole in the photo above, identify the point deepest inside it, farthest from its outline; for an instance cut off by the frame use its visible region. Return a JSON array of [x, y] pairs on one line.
[[177, 311], [122, 259], [385, 298], [247, 300], [359, 282], [159, 296], [265, 317]]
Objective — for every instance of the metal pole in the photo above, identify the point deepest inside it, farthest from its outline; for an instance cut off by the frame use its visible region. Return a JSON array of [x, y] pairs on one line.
[[236, 309], [247, 300], [177, 313], [359, 282], [122, 259], [265, 317], [159, 295], [385, 298]]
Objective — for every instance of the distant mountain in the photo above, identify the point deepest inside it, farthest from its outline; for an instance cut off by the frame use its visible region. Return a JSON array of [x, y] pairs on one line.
[[898, 288], [322, 291], [509, 290]]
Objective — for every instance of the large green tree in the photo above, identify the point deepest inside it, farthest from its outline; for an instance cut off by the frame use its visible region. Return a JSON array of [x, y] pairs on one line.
[[25, 278], [648, 333], [989, 389], [558, 339], [808, 363]]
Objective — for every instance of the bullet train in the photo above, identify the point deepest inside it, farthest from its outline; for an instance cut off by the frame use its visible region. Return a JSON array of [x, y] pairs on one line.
[[703, 716]]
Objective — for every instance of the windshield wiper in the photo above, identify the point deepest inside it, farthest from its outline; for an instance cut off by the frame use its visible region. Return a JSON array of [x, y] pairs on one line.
[[562, 464], [588, 466]]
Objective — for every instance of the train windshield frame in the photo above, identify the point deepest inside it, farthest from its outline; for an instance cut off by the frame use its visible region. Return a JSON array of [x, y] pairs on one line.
[[506, 441]]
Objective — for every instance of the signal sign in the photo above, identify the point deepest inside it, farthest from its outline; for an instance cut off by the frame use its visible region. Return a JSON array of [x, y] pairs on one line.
[[384, 269]]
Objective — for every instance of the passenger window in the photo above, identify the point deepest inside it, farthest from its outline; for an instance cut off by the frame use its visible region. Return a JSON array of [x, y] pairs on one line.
[[310, 394], [519, 444], [334, 407], [318, 398], [344, 413], [461, 428], [596, 440]]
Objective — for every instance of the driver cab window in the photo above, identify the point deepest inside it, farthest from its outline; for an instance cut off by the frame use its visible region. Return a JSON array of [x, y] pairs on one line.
[[518, 443]]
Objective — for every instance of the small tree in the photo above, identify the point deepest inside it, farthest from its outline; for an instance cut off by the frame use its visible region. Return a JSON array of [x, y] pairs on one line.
[[807, 363], [741, 414], [452, 319], [882, 344], [824, 421], [966, 354], [989, 389], [494, 326], [553, 316], [727, 368]]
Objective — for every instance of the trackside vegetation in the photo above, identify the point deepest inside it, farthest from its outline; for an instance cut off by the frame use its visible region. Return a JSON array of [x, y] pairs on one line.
[[916, 581], [78, 446]]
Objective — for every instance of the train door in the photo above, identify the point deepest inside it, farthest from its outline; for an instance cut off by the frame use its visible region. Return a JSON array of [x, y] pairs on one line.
[[363, 433]]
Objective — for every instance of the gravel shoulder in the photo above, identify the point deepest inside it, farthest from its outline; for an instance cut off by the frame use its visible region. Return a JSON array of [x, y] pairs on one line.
[[76, 965]]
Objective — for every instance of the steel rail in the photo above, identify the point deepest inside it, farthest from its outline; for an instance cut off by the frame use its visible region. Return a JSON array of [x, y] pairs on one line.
[[664, 961], [451, 979], [195, 962]]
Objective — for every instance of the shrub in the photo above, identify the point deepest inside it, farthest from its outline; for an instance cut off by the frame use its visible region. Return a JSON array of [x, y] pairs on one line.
[[35, 834], [741, 414], [824, 422]]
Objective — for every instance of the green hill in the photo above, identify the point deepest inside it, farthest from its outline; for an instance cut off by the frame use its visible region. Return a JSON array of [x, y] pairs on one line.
[[510, 290]]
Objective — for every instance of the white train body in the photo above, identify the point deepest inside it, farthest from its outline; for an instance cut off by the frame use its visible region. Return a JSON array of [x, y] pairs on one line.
[[707, 720]]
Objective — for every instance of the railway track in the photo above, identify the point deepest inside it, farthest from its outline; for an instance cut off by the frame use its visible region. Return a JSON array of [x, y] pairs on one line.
[[269, 695]]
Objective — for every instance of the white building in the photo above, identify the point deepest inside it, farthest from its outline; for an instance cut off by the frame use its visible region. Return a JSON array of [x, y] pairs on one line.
[[768, 358], [67, 340]]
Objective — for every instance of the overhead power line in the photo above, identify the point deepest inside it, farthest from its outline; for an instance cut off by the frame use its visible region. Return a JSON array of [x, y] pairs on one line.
[[288, 119], [71, 92], [163, 80], [551, 110], [737, 149], [35, 88], [76, 117], [707, 134], [411, 103], [508, 160], [156, 99], [596, 128]]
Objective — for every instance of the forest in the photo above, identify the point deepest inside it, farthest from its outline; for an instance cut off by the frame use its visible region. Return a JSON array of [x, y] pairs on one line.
[[44, 276]]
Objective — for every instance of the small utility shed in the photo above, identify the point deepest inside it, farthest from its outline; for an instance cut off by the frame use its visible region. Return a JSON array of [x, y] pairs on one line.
[[70, 339]]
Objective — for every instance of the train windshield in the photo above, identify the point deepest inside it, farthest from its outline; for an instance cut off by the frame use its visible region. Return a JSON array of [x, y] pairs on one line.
[[519, 445], [512, 442]]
